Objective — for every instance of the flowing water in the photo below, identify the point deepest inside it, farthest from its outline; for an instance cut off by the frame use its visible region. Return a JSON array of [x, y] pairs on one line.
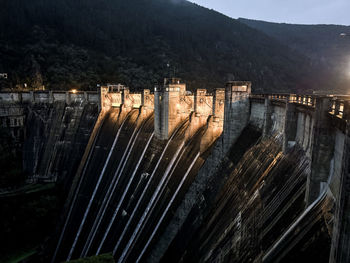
[[263, 194], [129, 185]]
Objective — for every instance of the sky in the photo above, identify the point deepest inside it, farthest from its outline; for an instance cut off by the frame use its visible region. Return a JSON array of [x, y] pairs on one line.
[[286, 11]]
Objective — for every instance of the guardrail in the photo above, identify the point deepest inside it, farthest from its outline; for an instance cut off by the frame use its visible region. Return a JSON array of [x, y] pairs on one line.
[[307, 100], [49, 96], [339, 106]]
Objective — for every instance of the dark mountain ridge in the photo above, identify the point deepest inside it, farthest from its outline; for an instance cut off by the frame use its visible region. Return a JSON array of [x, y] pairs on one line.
[[325, 45], [65, 44]]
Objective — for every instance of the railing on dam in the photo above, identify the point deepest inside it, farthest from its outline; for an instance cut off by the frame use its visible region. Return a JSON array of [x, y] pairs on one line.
[[339, 105], [306, 100], [336, 107], [49, 96]]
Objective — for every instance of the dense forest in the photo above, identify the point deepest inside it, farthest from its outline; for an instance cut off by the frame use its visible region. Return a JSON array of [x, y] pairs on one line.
[[65, 44], [327, 47]]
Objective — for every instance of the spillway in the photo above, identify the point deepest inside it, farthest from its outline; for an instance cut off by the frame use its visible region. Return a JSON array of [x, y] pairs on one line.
[[264, 177], [159, 182], [128, 184]]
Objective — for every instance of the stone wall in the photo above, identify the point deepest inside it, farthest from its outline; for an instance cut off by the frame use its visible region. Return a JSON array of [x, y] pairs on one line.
[[304, 122], [50, 96], [51, 128], [257, 114]]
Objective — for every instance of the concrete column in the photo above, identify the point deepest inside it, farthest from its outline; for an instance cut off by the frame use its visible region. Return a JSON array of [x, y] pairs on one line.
[[341, 233], [157, 113], [99, 102], [290, 125], [86, 96], [32, 98], [219, 103], [161, 114], [104, 99], [67, 97], [236, 115], [51, 98], [199, 97], [267, 118], [145, 97], [322, 150]]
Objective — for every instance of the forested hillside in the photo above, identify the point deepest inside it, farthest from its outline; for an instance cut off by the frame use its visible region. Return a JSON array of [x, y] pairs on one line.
[[65, 44], [326, 46]]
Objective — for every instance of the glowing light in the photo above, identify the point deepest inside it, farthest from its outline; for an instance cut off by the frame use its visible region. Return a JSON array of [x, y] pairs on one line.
[[74, 91], [347, 69], [116, 104]]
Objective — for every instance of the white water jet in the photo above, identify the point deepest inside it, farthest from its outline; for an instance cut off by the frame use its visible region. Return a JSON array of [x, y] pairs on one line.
[[170, 173], [76, 193], [167, 208], [142, 194], [110, 192], [94, 192], [150, 204], [124, 194]]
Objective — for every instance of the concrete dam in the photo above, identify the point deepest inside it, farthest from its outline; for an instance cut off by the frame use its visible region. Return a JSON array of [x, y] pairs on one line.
[[144, 152], [51, 129], [171, 176]]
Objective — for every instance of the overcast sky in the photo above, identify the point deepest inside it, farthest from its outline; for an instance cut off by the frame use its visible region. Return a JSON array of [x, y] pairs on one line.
[[289, 11]]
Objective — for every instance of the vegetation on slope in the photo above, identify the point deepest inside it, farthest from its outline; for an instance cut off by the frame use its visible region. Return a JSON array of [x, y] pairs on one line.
[[324, 45], [65, 44]]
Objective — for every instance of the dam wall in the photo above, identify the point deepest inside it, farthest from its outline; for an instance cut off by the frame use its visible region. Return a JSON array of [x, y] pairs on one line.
[[311, 122], [317, 124], [50, 96], [172, 106], [236, 113], [193, 177], [55, 139], [51, 130], [145, 152], [311, 127]]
